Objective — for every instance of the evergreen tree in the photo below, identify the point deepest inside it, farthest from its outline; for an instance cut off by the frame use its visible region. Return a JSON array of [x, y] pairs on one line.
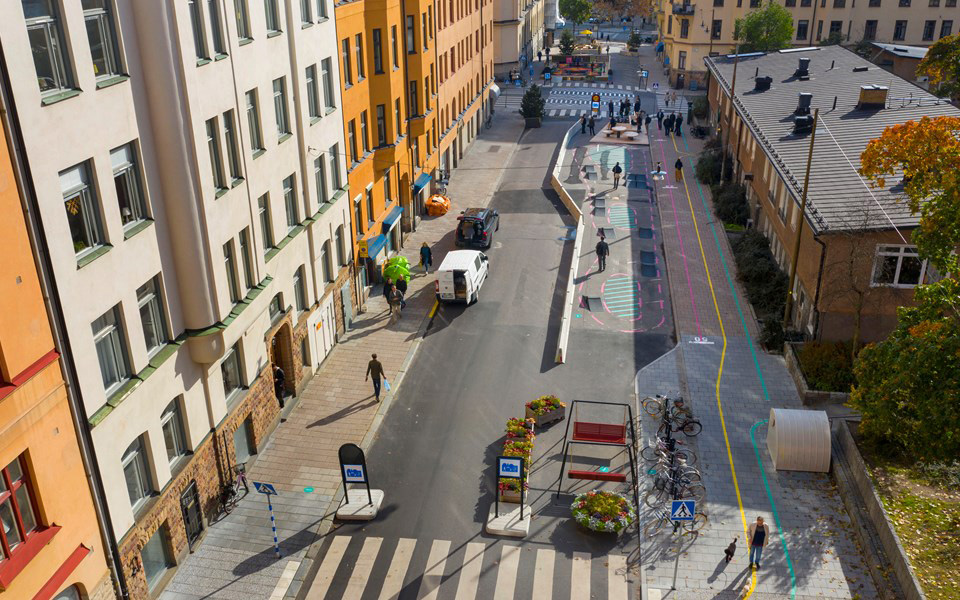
[[531, 107]]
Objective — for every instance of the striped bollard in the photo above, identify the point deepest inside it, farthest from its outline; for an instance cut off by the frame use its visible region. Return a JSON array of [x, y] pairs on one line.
[[273, 525]]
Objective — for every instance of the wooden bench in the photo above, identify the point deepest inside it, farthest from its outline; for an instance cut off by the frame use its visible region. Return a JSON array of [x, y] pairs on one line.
[[603, 433], [596, 476]]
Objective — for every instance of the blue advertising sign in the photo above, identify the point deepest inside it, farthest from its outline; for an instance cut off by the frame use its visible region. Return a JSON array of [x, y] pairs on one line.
[[354, 474], [509, 467]]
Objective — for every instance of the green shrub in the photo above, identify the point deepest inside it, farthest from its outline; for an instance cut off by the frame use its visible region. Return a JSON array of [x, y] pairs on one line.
[[700, 107], [708, 168], [731, 204], [634, 41], [827, 366], [763, 281], [771, 334], [531, 106], [713, 143]]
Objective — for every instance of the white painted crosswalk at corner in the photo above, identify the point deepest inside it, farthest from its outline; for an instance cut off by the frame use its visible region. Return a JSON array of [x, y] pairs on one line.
[[372, 567]]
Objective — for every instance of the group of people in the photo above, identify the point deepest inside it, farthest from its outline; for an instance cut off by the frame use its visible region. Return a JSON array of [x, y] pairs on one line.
[[673, 121]]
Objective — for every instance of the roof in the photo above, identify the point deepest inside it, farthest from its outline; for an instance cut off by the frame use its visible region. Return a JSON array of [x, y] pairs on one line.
[[473, 214], [459, 259], [917, 52], [838, 199]]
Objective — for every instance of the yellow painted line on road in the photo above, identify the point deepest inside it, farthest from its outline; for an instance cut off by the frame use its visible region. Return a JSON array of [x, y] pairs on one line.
[[436, 304], [723, 356]]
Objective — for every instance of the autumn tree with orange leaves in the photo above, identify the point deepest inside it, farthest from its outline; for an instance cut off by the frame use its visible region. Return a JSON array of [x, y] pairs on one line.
[[942, 66]]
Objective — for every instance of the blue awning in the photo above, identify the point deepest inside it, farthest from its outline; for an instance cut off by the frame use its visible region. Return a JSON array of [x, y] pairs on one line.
[[421, 182], [391, 219], [375, 245]]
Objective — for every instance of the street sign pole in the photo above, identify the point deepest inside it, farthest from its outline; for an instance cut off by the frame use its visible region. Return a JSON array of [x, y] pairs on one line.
[[273, 525], [680, 510], [676, 563]]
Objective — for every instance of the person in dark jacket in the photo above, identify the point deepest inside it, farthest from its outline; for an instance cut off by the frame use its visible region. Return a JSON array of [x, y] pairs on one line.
[[679, 167], [426, 257], [669, 121], [278, 380], [375, 370], [660, 119], [402, 288], [647, 123], [583, 123], [603, 251], [610, 108], [592, 125], [679, 122]]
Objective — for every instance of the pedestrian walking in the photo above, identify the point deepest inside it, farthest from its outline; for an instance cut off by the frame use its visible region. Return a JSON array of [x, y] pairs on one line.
[[592, 124], [673, 98], [603, 251], [583, 123], [426, 257], [402, 288], [395, 300], [666, 99], [679, 122], [660, 120], [278, 380], [757, 535], [540, 55], [647, 123], [617, 170], [375, 370], [637, 105], [387, 286], [679, 167], [610, 108], [669, 122]]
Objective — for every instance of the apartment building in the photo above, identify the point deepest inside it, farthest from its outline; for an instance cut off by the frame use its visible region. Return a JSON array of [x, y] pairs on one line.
[[50, 542], [465, 49], [856, 261], [185, 164], [691, 31], [518, 33]]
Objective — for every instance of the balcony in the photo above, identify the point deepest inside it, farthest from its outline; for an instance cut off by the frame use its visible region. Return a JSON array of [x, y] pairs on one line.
[[683, 9]]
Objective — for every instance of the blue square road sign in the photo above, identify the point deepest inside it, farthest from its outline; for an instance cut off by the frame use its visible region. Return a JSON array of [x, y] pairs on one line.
[[682, 510], [265, 488]]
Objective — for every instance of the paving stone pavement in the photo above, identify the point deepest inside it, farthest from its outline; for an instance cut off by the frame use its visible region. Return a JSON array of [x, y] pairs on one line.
[[236, 557]]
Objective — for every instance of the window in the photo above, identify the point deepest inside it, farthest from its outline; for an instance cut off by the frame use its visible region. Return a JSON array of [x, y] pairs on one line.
[[326, 265], [322, 9], [819, 30], [453, 66], [215, 28], [243, 19], [276, 308], [414, 105], [213, 149], [361, 71], [364, 138], [396, 115], [423, 29], [370, 212], [682, 60], [126, 180], [300, 290], [233, 153], [134, 461], [243, 447], [320, 174], [839, 3], [266, 225], [83, 213], [304, 353], [754, 3], [411, 35], [836, 28], [246, 255], [950, 3], [280, 106], [684, 28], [171, 421], [393, 44], [313, 99], [335, 166], [716, 28], [230, 265], [230, 372], [150, 302], [897, 266], [416, 153], [934, 3], [102, 37], [929, 27], [16, 507], [352, 140], [904, 3], [802, 29], [873, 3], [718, 3], [155, 557], [790, 3], [341, 250], [111, 349], [386, 187], [806, 3], [272, 15], [946, 28], [306, 12], [43, 30], [377, 52], [290, 201], [253, 122], [199, 37], [329, 98], [870, 30], [900, 31], [345, 57], [381, 125], [70, 593], [357, 216], [426, 94]]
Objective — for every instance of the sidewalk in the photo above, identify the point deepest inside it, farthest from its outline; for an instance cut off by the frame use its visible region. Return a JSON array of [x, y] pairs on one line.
[[236, 559]]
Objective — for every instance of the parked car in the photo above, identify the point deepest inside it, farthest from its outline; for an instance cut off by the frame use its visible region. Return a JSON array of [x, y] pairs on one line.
[[460, 276], [475, 227]]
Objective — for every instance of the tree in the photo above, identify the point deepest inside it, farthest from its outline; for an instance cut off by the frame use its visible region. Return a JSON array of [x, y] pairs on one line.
[[566, 43], [834, 39], [766, 29], [927, 154], [942, 66], [908, 386], [531, 107], [577, 11]]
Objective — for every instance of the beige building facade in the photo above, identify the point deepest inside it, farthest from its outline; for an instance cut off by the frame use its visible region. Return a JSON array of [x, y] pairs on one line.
[[691, 31], [518, 33]]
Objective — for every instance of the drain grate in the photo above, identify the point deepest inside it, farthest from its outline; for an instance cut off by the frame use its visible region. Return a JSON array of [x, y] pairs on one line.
[[646, 233], [494, 148]]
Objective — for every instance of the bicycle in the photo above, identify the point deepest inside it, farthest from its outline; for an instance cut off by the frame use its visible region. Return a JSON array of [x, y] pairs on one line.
[[666, 490], [655, 405], [663, 518], [689, 426], [661, 449], [230, 493], [489, 123]]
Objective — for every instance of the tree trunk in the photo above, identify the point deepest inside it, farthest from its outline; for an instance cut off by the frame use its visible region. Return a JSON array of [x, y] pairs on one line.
[[856, 328]]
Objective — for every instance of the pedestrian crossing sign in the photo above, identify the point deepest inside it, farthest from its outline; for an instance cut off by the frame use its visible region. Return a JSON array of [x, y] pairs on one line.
[[682, 510], [656, 85]]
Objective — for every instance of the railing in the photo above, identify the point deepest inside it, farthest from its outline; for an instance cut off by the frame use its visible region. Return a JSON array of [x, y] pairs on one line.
[[683, 9], [570, 293]]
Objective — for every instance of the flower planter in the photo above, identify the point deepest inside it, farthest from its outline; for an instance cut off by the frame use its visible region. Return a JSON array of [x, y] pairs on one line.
[[510, 496], [550, 416], [619, 512]]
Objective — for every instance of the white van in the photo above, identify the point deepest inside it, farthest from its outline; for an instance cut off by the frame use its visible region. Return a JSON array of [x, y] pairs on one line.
[[460, 276]]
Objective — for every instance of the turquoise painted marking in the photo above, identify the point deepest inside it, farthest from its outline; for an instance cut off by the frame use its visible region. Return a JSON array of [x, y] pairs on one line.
[[308, 489], [773, 505]]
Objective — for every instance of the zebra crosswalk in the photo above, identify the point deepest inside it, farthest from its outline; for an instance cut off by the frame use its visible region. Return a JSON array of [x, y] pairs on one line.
[[374, 568]]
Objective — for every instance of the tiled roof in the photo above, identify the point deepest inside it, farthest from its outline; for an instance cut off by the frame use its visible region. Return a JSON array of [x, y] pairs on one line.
[[838, 198], [917, 52]]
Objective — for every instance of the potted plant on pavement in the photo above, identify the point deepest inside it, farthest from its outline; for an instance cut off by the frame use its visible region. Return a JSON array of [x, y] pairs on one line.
[[509, 490], [520, 447], [546, 409], [531, 107], [520, 429], [604, 512]]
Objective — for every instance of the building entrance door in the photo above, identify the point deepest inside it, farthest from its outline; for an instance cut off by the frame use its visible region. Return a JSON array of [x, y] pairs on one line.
[[192, 515]]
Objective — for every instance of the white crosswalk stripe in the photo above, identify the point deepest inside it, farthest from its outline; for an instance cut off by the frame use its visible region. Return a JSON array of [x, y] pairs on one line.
[[372, 567]]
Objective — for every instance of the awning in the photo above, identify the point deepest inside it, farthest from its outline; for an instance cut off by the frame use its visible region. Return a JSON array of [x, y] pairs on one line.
[[494, 91], [375, 245], [392, 218], [421, 182]]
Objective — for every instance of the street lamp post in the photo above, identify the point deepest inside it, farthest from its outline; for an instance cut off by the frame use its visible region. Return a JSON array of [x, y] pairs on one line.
[[733, 87], [788, 306]]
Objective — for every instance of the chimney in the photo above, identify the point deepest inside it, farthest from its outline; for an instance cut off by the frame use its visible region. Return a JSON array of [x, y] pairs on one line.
[[803, 124], [873, 96], [762, 84], [803, 71], [803, 106]]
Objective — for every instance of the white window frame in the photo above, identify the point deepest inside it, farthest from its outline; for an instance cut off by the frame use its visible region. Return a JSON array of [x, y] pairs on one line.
[[300, 290], [290, 201], [126, 173], [242, 12], [246, 257], [105, 26], [253, 122], [271, 15], [136, 455], [266, 222], [199, 33], [902, 251], [313, 92], [320, 175], [234, 355], [54, 47], [216, 28], [78, 193], [212, 128], [280, 106], [152, 301], [230, 265], [306, 12], [336, 179], [233, 146], [172, 426], [110, 331], [329, 96]]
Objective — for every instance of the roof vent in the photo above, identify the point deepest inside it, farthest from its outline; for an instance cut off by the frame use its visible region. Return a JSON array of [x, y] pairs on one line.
[[873, 96], [803, 71], [762, 84], [861, 69], [803, 107], [803, 124]]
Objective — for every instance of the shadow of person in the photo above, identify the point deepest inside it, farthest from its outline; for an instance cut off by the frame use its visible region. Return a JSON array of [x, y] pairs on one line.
[[739, 580], [720, 568]]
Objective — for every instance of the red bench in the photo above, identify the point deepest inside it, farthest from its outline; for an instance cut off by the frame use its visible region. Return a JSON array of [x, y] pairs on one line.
[[596, 475], [603, 433]]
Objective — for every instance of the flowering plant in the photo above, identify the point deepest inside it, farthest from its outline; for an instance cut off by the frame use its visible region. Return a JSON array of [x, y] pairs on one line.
[[545, 404], [518, 447], [603, 511], [520, 428], [512, 485]]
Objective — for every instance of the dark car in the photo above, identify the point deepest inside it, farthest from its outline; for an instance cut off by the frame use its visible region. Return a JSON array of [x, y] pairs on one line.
[[476, 227]]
